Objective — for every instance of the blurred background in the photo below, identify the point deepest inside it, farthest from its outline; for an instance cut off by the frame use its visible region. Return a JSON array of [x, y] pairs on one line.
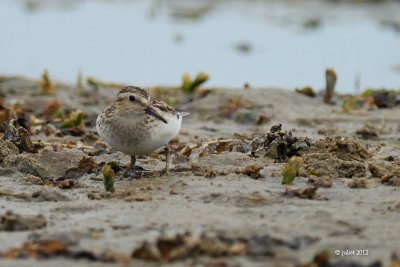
[[282, 43]]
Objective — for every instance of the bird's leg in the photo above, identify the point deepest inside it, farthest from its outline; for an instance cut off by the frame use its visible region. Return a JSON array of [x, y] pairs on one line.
[[132, 165], [133, 161], [132, 170], [167, 153]]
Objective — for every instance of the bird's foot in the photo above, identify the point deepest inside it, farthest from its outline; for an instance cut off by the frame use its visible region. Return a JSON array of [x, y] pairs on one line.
[[164, 172], [136, 172]]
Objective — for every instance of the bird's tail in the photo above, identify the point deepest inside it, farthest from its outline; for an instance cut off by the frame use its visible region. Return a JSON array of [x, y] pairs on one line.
[[183, 114]]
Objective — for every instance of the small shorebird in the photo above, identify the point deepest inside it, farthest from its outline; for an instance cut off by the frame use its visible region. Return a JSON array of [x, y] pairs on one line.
[[135, 125]]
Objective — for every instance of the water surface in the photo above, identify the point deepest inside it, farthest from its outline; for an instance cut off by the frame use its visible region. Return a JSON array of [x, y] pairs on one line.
[[265, 43]]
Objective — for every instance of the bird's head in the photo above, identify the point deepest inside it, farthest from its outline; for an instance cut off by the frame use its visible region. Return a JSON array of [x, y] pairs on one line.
[[135, 99]]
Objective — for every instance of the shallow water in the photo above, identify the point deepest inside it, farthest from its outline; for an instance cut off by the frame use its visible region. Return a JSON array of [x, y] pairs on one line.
[[155, 42]]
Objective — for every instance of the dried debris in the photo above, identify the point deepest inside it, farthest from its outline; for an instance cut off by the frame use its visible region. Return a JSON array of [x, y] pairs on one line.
[[371, 99], [324, 259], [382, 98], [85, 165], [358, 183], [6, 114], [352, 103], [344, 148], [378, 170], [98, 195], [52, 248], [213, 147], [307, 91], [67, 184], [6, 149], [387, 173], [170, 247], [327, 131], [335, 157], [276, 144], [33, 180], [391, 158], [52, 109], [368, 131], [19, 136], [279, 145], [127, 193], [351, 169], [11, 221], [42, 249], [307, 193], [139, 197], [49, 194], [275, 128], [56, 147], [167, 248], [253, 170], [320, 259], [142, 173], [323, 181], [330, 75], [208, 171], [46, 86]]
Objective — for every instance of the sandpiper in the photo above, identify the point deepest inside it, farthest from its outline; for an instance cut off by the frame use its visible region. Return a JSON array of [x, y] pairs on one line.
[[135, 125]]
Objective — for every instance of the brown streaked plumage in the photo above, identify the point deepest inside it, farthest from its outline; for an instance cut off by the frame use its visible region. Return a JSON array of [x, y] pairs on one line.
[[135, 125]]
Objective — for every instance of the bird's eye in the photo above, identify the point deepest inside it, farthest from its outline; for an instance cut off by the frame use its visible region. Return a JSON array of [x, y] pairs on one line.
[[132, 98]]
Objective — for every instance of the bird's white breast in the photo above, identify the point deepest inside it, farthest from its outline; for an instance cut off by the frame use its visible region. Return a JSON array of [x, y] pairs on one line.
[[137, 139]]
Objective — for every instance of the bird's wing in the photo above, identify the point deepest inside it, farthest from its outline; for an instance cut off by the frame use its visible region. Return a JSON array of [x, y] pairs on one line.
[[163, 107]]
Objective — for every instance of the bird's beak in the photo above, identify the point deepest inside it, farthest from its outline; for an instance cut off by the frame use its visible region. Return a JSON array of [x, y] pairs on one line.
[[149, 110]]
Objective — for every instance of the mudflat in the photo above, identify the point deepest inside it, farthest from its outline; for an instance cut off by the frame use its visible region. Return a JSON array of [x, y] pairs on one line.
[[223, 204]]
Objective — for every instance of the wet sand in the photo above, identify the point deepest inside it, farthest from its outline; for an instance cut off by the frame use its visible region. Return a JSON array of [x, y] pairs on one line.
[[208, 190]]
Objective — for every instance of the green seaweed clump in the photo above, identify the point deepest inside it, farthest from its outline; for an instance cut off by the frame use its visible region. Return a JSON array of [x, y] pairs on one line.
[[372, 99], [291, 170], [308, 91], [108, 177], [189, 85], [75, 119], [79, 83], [47, 87]]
